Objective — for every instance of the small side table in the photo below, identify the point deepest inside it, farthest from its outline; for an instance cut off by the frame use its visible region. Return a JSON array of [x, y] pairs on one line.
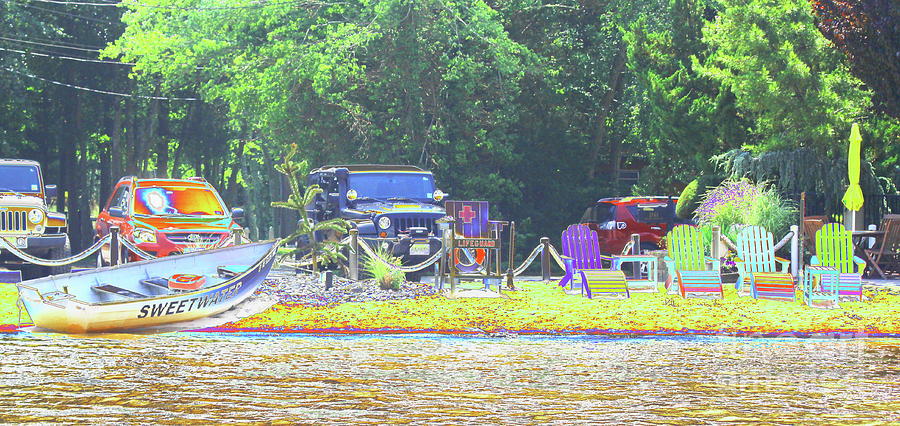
[[652, 270], [823, 292]]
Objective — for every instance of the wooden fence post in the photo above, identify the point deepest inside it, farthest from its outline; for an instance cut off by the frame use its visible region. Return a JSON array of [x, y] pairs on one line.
[[353, 259], [512, 256], [452, 263], [635, 250], [114, 246], [803, 230], [716, 242], [795, 250], [545, 259]]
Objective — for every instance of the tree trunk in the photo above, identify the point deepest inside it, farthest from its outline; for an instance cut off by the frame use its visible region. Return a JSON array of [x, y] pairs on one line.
[[162, 146], [115, 146], [231, 189], [606, 107], [131, 166]]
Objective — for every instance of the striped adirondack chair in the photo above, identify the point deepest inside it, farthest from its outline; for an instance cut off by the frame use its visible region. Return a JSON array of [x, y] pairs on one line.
[[834, 247], [582, 258], [686, 262], [756, 266]]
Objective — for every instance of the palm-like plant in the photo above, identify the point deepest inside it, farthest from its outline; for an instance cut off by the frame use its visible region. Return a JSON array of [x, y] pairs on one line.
[[298, 200]]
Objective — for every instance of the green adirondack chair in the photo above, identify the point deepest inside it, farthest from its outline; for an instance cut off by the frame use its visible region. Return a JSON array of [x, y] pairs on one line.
[[756, 264], [687, 263], [834, 248]]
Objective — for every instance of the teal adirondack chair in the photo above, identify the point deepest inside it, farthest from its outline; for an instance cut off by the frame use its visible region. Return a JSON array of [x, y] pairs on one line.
[[687, 262], [834, 248], [756, 264]]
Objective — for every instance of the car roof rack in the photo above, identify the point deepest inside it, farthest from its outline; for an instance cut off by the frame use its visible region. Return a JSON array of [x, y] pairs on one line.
[[371, 168]]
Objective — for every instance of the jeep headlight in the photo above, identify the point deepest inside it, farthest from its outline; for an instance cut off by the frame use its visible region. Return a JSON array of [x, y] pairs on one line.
[[36, 216], [384, 222], [142, 235]]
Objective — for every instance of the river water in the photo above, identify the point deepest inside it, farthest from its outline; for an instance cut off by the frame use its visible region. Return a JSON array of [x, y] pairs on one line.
[[205, 377]]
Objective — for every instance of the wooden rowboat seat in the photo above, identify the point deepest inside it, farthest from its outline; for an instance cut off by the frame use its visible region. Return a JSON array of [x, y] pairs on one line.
[[118, 291]]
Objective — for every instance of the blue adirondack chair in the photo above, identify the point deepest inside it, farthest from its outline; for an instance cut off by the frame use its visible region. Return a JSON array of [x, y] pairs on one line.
[[582, 258], [756, 266]]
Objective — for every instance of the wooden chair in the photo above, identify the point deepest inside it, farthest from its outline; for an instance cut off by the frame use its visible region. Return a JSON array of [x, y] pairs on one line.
[[756, 266], [834, 247], [887, 256], [582, 258], [811, 225], [687, 262]]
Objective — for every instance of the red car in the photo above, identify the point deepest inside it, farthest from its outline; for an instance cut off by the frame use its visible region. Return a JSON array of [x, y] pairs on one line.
[[167, 216], [615, 219]]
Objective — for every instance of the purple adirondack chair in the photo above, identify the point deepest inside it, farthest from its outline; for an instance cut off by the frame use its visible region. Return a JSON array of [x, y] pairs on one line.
[[581, 250]]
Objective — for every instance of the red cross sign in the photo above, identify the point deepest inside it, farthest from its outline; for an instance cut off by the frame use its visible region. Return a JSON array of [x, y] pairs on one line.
[[467, 214]]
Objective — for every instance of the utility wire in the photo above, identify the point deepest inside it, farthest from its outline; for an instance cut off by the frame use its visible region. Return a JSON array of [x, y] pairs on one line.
[[102, 92], [48, 45], [71, 58], [64, 43], [86, 18], [256, 4]]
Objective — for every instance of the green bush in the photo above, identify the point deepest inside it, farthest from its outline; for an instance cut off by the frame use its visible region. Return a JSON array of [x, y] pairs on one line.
[[687, 200], [387, 278], [690, 195]]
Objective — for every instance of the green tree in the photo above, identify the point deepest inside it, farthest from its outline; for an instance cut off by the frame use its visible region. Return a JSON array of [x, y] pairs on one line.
[[794, 89], [690, 116], [298, 200]]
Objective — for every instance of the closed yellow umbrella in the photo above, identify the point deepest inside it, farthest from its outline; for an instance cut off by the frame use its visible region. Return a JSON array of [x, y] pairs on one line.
[[853, 198]]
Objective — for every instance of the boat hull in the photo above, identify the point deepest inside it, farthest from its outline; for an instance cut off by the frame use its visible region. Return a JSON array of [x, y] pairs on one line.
[[61, 311]]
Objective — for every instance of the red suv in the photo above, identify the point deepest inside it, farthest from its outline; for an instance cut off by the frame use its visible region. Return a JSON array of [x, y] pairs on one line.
[[167, 216], [615, 219]]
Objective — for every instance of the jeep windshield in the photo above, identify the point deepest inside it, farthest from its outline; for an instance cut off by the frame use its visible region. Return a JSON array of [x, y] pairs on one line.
[[177, 201], [19, 179], [392, 186]]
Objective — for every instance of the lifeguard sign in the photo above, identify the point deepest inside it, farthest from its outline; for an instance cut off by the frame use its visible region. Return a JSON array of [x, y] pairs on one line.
[[475, 242]]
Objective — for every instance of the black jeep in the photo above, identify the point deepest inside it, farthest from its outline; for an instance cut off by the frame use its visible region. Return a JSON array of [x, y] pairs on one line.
[[394, 207]]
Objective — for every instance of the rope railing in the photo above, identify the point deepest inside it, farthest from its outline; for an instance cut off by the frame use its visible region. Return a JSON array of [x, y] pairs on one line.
[[54, 262], [134, 249], [306, 260], [784, 240], [528, 261], [557, 258], [405, 269]]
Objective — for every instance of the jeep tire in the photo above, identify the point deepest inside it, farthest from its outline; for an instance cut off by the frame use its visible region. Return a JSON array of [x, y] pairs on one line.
[[57, 253]]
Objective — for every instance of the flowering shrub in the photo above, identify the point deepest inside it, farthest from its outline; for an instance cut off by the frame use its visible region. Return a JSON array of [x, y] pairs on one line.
[[738, 203]]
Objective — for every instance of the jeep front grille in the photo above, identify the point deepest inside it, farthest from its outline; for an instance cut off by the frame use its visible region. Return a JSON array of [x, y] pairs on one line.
[[14, 221], [200, 238], [404, 223]]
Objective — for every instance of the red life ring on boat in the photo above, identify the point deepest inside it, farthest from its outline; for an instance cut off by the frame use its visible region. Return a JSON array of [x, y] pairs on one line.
[[186, 281]]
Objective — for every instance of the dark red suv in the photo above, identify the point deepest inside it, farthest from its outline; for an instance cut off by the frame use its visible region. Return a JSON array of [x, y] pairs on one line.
[[615, 219]]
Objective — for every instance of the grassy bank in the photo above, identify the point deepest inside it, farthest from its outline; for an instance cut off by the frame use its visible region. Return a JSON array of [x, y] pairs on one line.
[[545, 308], [539, 307]]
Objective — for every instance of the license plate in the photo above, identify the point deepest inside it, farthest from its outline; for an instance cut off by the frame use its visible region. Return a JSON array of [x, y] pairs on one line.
[[419, 250]]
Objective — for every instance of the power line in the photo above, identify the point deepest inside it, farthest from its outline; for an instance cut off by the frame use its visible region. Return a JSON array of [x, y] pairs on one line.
[[77, 3], [72, 15], [102, 92], [71, 58], [49, 45], [256, 4], [64, 43]]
